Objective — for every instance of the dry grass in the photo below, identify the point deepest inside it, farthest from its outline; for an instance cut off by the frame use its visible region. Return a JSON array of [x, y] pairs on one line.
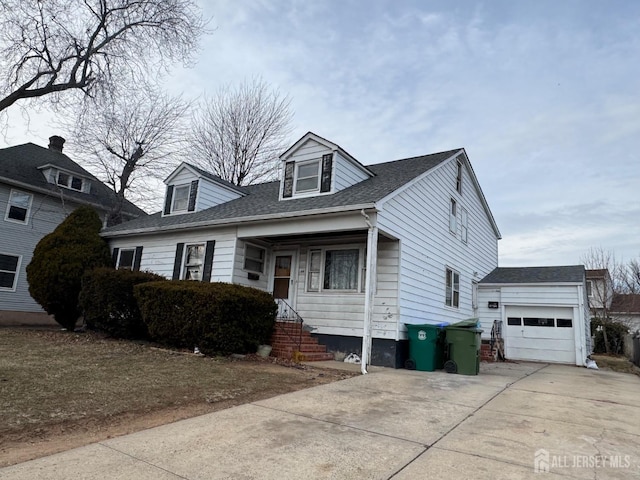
[[52, 382], [616, 363]]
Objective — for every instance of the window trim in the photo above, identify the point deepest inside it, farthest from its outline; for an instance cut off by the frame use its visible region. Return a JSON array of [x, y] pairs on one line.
[[186, 186], [589, 287], [296, 177], [133, 258], [323, 259], [455, 301], [464, 225], [69, 183], [9, 205], [263, 260], [16, 273], [459, 177], [453, 216], [185, 266]]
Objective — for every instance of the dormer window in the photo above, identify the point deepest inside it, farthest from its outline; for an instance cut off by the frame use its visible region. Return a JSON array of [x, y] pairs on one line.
[[180, 198], [69, 181], [308, 176]]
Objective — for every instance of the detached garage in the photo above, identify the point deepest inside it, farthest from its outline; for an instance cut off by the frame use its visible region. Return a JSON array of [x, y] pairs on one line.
[[543, 312]]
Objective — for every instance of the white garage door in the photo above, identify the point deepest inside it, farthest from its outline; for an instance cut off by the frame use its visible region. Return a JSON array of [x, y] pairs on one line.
[[543, 334]]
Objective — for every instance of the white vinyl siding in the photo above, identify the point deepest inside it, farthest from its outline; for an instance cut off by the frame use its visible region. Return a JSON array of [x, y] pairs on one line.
[[427, 245], [210, 194], [160, 251], [341, 313], [345, 173]]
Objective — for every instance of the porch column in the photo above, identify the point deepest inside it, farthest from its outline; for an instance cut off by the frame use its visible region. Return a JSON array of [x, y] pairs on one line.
[[370, 289]]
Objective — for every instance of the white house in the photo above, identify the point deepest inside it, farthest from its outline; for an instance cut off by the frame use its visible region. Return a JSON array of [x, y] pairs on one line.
[[39, 187], [543, 312], [357, 251]]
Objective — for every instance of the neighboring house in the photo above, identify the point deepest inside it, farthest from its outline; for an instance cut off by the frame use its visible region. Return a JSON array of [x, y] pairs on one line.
[[357, 251], [543, 312], [39, 187], [625, 308], [599, 292]]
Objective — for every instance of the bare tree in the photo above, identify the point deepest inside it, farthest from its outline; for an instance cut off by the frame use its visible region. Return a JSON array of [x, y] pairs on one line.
[[130, 140], [239, 133], [90, 46], [603, 286]]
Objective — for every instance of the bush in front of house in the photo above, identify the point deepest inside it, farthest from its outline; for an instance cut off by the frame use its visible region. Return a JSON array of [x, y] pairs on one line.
[[108, 303], [615, 331], [218, 318], [59, 261]]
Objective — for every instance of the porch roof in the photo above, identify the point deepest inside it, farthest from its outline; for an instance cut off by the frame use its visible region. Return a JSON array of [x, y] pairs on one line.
[[261, 200]]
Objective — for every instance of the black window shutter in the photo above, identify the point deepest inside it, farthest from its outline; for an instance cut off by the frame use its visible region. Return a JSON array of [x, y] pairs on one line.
[[327, 161], [114, 257], [208, 261], [193, 193], [178, 261], [167, 200], [287, 191], [136, 259]]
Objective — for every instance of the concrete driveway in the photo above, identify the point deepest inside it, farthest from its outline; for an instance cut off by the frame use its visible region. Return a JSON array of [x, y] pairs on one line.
[[510, 422]]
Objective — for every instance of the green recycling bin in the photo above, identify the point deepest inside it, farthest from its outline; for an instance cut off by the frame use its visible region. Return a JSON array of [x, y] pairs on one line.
[[426, 346], [463, 344]]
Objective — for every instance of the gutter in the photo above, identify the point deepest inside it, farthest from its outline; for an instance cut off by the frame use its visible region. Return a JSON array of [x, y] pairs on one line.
[[237, 221]]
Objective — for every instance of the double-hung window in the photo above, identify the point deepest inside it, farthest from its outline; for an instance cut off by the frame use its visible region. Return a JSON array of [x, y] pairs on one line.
[[9, 265], [464, 225], [69, 181], [308, 176], [193, 261], [334, 269], [452, 288], [125, 260], [453, 212], [254, 258], [180, 198], [19, 206], [459, 177]]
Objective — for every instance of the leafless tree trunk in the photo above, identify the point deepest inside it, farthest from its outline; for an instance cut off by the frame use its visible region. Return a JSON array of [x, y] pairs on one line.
[[239, 133], [130, 139], [90, 46], [598, 258]]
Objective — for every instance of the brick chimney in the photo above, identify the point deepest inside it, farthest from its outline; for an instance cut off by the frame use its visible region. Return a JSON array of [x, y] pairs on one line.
[[56, 143]]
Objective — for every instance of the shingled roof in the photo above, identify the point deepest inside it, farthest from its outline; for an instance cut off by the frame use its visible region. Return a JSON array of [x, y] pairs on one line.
[[564, 274], [19, 167], [262, 200]]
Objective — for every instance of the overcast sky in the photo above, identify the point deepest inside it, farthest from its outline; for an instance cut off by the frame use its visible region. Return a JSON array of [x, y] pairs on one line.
[[543, 95]]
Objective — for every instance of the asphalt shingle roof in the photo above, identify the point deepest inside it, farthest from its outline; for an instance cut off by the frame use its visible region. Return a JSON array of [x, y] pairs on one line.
[[563, 274], [262, 199], [20, 164]]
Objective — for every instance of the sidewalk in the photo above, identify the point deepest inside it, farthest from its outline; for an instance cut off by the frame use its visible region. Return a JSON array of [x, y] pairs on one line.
[[388, 424]]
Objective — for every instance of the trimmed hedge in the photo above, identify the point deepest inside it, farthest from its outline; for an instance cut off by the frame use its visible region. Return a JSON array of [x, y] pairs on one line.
[[218, 318], [59, 261], [108, 302]]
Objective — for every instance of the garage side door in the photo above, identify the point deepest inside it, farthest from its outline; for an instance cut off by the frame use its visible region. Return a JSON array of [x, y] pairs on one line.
[[544, 334]]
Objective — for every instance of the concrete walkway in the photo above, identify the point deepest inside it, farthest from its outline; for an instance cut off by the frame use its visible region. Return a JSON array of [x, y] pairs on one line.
[[391, 424]]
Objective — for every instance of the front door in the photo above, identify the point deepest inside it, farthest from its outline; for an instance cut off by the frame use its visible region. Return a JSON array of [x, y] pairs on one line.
[[283, 281]]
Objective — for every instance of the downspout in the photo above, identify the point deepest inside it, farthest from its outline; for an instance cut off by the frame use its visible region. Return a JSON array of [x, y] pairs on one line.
[[371, 264]]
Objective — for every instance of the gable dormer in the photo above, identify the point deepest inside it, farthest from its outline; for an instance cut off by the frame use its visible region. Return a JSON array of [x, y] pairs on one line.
[[191, 189], [315, 166], [64, 178]]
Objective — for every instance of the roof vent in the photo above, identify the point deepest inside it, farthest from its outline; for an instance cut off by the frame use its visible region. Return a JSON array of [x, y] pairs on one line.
[[56, 143]]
